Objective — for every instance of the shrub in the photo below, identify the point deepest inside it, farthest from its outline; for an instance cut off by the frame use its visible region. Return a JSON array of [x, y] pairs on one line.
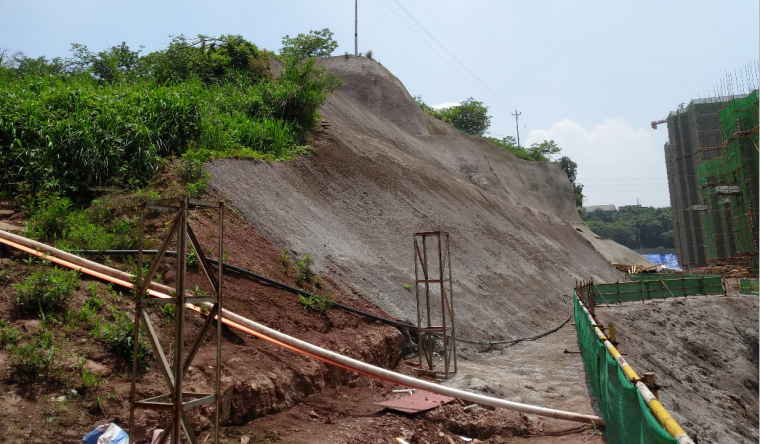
[[305, 273], [118, 335], [49, 217], [285, 261], [315, 303], [38, 357], [8, 335], [45, 290]]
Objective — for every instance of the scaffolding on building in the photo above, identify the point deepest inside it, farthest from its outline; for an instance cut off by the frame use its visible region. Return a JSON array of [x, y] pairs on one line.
[[712, 164]]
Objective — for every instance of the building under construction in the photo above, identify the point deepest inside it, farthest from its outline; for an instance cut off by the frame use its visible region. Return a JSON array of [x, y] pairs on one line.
[[712, 164]]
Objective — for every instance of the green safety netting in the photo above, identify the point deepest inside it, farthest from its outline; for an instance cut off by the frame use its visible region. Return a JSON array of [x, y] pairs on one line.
[[749, 286], [657, 286], [627, 418]]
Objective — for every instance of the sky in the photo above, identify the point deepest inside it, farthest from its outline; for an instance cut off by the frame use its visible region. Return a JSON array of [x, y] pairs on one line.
[[590, 75]]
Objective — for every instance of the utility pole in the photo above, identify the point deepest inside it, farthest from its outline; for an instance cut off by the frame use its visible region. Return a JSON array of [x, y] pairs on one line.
[[356, 28], [516, 114]]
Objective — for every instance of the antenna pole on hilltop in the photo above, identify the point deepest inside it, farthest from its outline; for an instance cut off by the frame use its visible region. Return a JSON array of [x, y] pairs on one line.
[[356, 28], [516, 114]]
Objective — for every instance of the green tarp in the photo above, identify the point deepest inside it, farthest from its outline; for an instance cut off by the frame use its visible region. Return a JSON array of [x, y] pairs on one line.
[[627, 418]]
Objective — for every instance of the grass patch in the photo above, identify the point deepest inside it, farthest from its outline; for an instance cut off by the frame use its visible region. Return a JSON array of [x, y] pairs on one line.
[[117, 334], [48, 291], [37, 356]]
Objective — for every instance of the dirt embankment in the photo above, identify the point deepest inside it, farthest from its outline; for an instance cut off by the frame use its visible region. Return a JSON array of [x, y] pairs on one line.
[[704, 353], [383, 170], [258, 378]]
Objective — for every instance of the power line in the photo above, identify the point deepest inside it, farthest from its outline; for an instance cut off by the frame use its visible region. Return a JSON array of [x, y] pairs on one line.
[[431, 48], [450, 54]]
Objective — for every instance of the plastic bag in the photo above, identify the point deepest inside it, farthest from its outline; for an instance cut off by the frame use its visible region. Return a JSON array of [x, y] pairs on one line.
[[106, 434]]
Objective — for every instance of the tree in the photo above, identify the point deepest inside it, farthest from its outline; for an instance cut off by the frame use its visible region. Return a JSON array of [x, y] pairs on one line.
[[544, 150], [469, 116], [314, 44], [571, 169], [210, 59]]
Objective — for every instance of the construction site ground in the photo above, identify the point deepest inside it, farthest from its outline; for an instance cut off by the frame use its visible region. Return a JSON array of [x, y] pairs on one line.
[[271, 394], [704, 353], [382, 170]]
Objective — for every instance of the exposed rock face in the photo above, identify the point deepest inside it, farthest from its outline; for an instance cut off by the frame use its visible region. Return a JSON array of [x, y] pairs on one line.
[[383, 170]]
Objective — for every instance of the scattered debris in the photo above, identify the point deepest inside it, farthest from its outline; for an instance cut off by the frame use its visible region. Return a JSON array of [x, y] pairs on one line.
[[416, 403]]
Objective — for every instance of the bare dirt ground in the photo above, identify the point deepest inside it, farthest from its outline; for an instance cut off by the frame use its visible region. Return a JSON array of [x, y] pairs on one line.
[[704, 353]]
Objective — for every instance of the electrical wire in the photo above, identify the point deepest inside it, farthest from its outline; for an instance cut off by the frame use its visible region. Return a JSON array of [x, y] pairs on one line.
[[286, 287], [431, 48], [450, 54]]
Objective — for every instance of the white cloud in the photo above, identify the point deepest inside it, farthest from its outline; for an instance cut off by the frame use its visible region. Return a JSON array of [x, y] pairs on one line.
[[445, 105], [617, 163]]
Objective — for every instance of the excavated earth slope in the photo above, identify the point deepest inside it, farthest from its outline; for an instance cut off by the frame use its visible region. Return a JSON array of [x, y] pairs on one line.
[[383, 170]]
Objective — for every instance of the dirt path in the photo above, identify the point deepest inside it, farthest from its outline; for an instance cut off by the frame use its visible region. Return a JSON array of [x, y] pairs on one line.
[[537, 373], [704, 353]]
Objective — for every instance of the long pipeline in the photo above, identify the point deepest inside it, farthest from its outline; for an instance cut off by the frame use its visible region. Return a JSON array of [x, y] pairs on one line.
[[234, 320], [658, 410], [249, 273], [298, 291]]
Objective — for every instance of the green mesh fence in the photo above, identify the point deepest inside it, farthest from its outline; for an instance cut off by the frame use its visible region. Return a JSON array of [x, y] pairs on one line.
[[626, 416], [749, 286], [656, 286]]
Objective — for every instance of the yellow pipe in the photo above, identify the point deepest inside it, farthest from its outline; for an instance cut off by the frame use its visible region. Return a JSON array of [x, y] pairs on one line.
[[663, 416], [658, 410]]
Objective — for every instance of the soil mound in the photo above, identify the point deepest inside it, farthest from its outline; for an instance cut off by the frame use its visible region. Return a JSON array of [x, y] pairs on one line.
[[383, 170]]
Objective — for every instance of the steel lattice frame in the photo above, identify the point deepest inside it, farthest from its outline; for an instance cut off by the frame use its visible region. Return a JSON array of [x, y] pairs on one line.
[[427, 327], [177, 400]]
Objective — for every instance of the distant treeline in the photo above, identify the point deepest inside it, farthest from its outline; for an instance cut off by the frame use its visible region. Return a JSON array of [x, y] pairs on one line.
[[633, 226]]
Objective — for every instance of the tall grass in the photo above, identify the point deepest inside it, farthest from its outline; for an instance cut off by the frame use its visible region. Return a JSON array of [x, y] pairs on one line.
[[70, 133]]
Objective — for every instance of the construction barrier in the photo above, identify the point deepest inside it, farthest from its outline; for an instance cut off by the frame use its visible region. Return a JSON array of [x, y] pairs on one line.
[[652, 286], [626, 407], [749, 286]]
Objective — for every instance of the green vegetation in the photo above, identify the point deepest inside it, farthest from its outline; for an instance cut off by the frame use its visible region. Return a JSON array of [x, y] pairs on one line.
[[100, 227], [118, 333], [305, 273], [314, 44], [316, 303], [285, 261], [69, 127], [469, 116], [472, 118], [38, 358], [46, 291], [571, 169], [633, 226], [8, 335]]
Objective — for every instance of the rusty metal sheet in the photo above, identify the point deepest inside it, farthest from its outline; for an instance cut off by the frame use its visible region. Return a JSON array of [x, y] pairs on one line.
[[416, 403]]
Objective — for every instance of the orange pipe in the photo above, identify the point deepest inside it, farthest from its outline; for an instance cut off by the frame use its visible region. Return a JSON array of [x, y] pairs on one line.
[[157, 294]]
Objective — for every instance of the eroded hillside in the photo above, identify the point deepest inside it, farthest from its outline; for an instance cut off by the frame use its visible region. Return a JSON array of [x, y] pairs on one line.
[[383, 170]]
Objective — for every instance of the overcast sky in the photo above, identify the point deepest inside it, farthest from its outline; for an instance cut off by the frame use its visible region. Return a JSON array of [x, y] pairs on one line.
[[590, 75]]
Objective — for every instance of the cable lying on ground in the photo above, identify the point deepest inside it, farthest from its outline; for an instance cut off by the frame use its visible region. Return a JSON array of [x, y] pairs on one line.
[[298, 291], [232, 319]]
